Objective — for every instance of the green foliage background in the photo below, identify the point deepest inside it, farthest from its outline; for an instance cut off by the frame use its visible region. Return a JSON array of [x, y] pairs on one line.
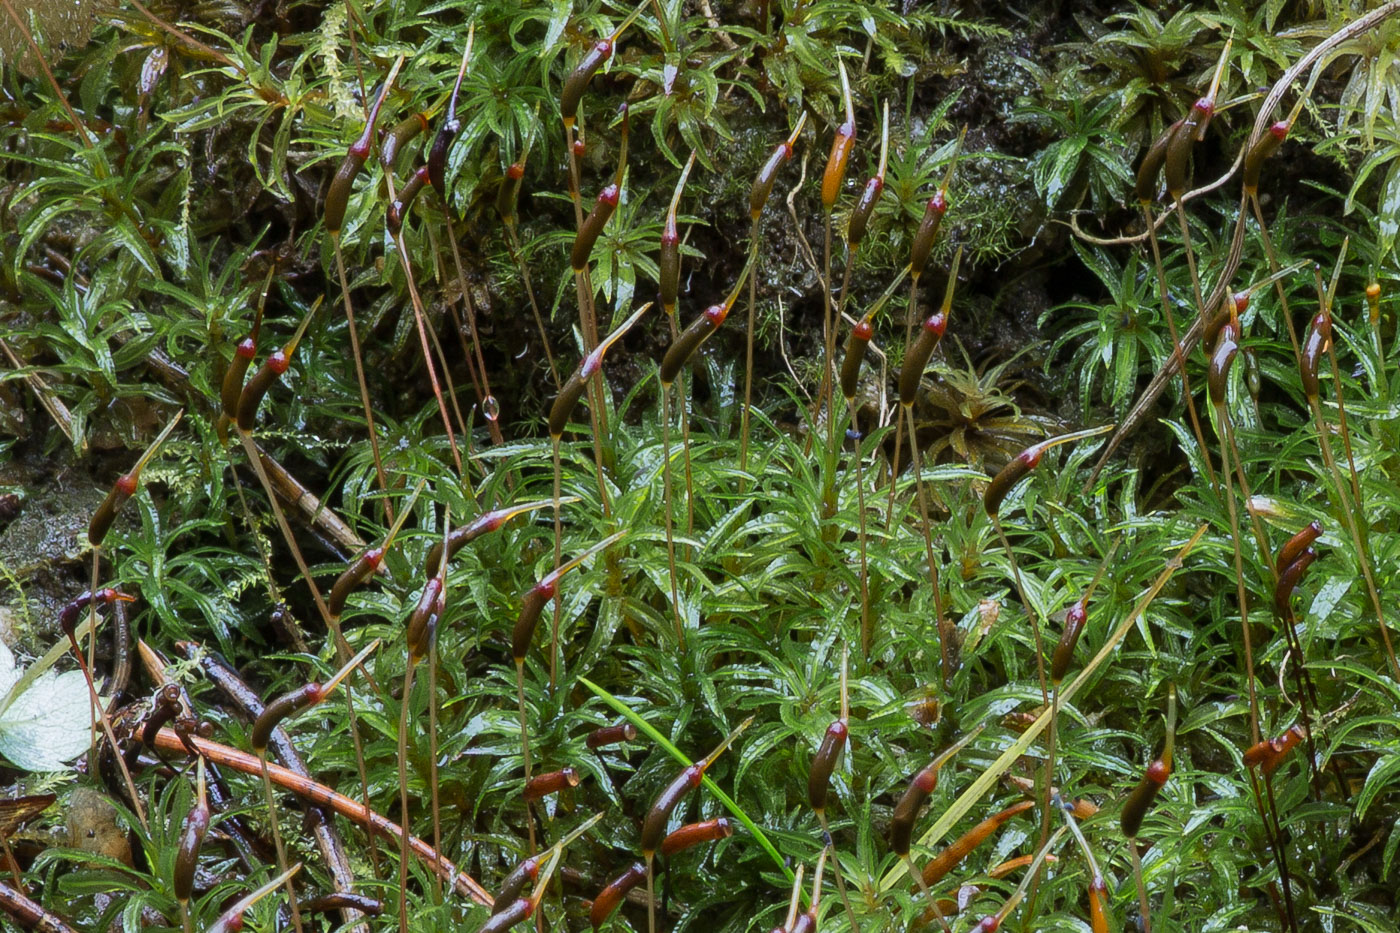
[[133, 249]]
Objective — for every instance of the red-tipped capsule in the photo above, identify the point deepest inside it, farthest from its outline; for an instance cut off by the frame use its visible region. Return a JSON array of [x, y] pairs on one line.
[[1263, 148], [593, 226], [1143, 796], [856, 345]]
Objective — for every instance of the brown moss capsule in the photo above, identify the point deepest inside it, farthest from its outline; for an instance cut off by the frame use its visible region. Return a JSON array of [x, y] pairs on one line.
[[357, 573], [1314, 346], [398, 136], [610, 735], [654, 825], [767, 175], [342, 900], [592, 364], [856, 345], [1296, 545], [927, 234], [531, 605], [403, 201], [1263, 148], [191, 840], [1281, 746], [612, 894], [1289, 579], [514, 883], [916, 357], [268, 373], [1373, 303], [939, 866], [363, 568], [593, 226], [484, 523], [288, 704], [824, 762], [689, 340], [1150, 169], [668, 262], [338, 195], [1178, 154], [865, 207], [1009, 475], [694, 834], [578, 79], [508, 916], [552, 782], [842, 145], [232, 386], [1142, 797], [422, 623], [1064, 651], [123, 489], [835, 174], [907, 810], [451, 125], [1218, 374]]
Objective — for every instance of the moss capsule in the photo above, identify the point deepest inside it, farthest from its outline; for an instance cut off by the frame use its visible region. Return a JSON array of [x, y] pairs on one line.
[[865, 207], [288, 704], [398, 136], [1009, 475], [1142, 797], [508, 195], [654, 825], [1150, 169], [232, 386], [357, 573], [1296, 545], [552, 782], [824, 762], [1289, 579], [1178, 154], [1267, 144], [1064, 651], [610, 735], [1314, 346], [403, 200], [694, 834], [612, 894], [927, 234], [907, 810], [593, 226], [1218, 374], [689, 340], [513, 885], [856, 345]]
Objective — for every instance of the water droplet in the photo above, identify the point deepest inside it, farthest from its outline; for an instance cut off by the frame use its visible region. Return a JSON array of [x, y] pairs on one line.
[[490, 408]]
